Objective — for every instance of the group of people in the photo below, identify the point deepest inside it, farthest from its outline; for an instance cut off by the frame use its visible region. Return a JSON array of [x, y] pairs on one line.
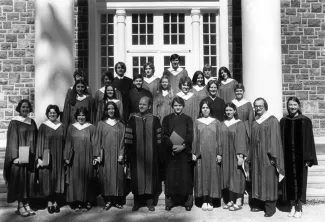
[[198, 133]]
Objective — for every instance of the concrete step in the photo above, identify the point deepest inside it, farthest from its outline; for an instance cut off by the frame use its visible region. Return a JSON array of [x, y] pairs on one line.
[[321, 160], [318, 170], [315, 192]]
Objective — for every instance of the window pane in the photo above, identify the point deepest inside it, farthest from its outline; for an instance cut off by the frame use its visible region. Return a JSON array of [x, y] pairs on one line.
[[206, 60], [206, 50], [151, 59], [205, 39], [104, 62], [142, 18], [135, 71], [181, 28], [135, 61], [103, 29], [110, 29], [182, 62], [110, 40], [110, 18], [150, 39], [166, 18], [103, 18], [213, 50], [110, 61], [149, 29], [213, 39], [103, 50], [205, 28], [181, 17], [103, 40], [135, 40], [150, 18], [206, 18], [166, 39], [134, 18], [181, 39], [212, 17], [166, 28], [143, 60], [174, 39], [213, 60], [142, 39], [166, 61], [213, 28], [174, 28], [110, 50], [173, 17], [135, 29], [142, 29]]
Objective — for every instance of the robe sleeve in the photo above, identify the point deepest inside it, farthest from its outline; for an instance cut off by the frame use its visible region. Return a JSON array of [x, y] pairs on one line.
[[240, 139], [122, 143], [32, 138], [219, 148], [68, 149], [98, 140], [66, 109], [41, 142], [95, 108], [120, 107], [166, 132], [189, 135], [309, 146], [196, 140], [129, 136]]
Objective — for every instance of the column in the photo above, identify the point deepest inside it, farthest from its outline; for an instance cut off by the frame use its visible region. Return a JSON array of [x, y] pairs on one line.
[[262, 70], [195, 14], [54, 55], [120, 15], [223, 30]]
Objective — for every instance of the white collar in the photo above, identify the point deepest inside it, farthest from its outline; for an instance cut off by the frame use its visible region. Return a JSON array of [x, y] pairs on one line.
[[102, 89], [185, 97], [81, 127], [26, 120], [175, 72], [165, 93], [231, 122], [198, 88], [211, 78], [119, 77], [113, 100], [227, 81], [111, 122], [207, 120], [80, 98], [212, 97], [53, 125], [239, 103], [150, 80], [263, 117]]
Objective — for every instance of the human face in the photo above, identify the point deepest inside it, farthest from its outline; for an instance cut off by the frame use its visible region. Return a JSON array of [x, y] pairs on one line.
[[213, 90], [164, 84], [79, 77], [138, 83], [224, 75], [185, 88], [239, 94], [199, 80], [110, 91], [205, 110], [207, 73], [81, 118], [52, 115], [80, 89], [259, 107], [24, 109], [149, 71], [230, 112], [293, 107], [119, 70], [144, 105], [175, 63], [178, 108], [106, 80], [110, 111]]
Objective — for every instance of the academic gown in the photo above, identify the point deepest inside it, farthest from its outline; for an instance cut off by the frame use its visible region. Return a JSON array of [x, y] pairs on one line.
[[206, 147], [179, 170], [174, 79], [69, 109], [153, 86], [232, 141], [218, 107], [51, 178], [162, 106], [143, 140], [79, 150], [299, 147], [226, 91], [266, 142], [20, 178], [109, 140], [135, 96], [124, 85], [101, 108]]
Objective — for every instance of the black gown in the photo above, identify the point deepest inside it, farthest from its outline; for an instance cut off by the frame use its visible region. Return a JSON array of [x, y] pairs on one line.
[[218, 107]]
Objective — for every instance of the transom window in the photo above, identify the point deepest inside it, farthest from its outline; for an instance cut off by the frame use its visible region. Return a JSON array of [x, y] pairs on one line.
[[174, 28], [142, 29]]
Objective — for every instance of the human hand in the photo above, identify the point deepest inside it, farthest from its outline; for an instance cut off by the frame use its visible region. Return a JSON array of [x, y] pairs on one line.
[[194, 158], [178, 148], [120, 159], [16, 161], [219, 158], [66, 162], [240, 161], [307, 164], [39, 163]]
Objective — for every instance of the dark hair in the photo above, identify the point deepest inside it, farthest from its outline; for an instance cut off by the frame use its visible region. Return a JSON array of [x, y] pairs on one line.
[[179, 100], [175, 56], [117, 114], [214, 81], [150, 65], [295, 99], [122, 64], [109, 75], [105, 92], [185, 80], [224, 69], [239, 86], [49, 107], [206, 67], [160, 81], [79, 72], [265, 103], [233, 106], [21, 103], [137, 76], [83, 110], [201, 105], [196, 75], [73, 98]]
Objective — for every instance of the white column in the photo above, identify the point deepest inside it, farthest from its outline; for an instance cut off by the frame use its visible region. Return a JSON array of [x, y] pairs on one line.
[[54, 54], [223, 34], [120, 15], [195, 14], [262, 70]]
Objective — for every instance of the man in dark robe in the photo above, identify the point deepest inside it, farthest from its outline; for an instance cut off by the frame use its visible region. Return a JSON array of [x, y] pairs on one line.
[[142, 139]]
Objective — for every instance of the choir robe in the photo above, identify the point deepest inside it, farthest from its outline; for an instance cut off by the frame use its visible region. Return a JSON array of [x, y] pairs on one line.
[[299, 147], [109, 144], [179, 169], [200, 93], [226, 90], [152, 85], [101, 108], [232, 141], [266, 144], [20, 178], [51, 178], [174, 77], [143, 140], [79, 150], [124, 85], [191, 107], [135, 96], [162, 105], [218, 107], [206, 147]]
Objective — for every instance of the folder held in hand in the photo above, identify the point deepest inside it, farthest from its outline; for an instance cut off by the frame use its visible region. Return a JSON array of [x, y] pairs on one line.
[[176, 139], [24, 154]]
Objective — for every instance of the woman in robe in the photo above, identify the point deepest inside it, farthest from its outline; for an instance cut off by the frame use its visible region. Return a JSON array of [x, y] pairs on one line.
[[234, 151], [177, 130], [109, 147], [199, 88], [299, 154], [207, 154], [20, 177], [150, 81], [79, 97], [78, 157], [109, 96], [227, 85], [49, 151]]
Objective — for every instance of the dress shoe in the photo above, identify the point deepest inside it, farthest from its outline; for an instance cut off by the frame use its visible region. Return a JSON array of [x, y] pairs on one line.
[[168, 208], [298, 214], [292, 212], [204, 206], [256, 209], [210, 207], [151, 208], [268, 215], [50, 209], [135, 207], [188, 208]]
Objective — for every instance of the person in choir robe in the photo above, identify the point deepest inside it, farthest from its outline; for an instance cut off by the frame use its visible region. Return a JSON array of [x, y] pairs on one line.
[[207, 71], [124, 85], [162, 102], [109, 96], [49, 154], [79, 97], [79, 159], [217, 104], [143, 139], [226, 85], [18, 175], [234, 153], [177, 131], [191, 106], [136, 93], [299, 154], [110, 152], [150, 81], [266, 159], [207, 154], [175, 73], [199, 87]]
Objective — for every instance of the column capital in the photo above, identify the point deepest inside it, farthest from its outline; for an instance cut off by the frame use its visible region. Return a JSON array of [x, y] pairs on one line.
[[195, 14], [121, 14]]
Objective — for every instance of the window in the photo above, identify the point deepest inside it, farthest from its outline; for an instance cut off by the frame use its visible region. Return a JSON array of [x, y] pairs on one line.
[[107, 42], [210, 40], [142, 29], [174, 28], [139, 61]]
